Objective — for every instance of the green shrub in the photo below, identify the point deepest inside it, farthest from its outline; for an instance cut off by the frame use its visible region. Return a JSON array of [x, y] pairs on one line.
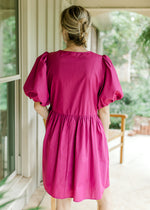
[[136, 101]]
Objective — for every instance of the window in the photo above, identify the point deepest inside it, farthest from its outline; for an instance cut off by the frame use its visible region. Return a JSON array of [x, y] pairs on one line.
[[7, 129], [8, 75]]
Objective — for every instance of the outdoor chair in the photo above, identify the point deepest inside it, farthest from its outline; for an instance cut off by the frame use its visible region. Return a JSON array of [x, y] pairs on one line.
[[113, 134]]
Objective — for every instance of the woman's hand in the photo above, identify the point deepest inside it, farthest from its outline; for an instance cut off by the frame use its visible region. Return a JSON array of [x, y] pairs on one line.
[[104, 115], [41, 110]]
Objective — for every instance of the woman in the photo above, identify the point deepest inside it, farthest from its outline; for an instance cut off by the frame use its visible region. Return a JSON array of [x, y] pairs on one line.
[[79, 85]]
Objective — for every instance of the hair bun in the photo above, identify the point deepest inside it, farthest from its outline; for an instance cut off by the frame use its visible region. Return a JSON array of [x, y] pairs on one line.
[[76, 20]]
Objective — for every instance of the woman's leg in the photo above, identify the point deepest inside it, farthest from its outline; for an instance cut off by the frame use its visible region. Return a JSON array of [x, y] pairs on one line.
[[105, 203], [63, 204]]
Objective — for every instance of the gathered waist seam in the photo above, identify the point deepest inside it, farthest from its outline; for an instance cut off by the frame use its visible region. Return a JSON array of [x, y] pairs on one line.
[[72, 115]]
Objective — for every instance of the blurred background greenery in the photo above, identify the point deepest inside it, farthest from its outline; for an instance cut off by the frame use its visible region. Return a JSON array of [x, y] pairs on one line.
[[129, 34]]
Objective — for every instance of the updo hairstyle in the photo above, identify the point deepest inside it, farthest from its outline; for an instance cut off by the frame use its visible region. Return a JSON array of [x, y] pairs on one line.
[[76, 20]]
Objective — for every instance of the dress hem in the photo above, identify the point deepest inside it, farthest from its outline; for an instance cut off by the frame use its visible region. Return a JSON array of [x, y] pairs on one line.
[[77, 200]]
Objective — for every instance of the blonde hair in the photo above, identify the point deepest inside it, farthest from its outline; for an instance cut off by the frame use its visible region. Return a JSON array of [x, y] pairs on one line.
[[76, 20]]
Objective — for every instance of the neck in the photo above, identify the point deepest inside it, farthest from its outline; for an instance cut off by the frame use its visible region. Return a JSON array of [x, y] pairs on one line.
[[71, 46]]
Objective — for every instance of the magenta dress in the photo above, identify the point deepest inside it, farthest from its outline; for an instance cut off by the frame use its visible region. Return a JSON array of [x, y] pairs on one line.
[[75, 150]]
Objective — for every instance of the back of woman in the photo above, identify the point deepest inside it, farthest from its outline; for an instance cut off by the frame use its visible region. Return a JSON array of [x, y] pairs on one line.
[[77, 84]]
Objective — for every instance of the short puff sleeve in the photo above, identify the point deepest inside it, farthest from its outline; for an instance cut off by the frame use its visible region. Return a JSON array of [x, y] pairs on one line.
[[111, 89], [36, 84]]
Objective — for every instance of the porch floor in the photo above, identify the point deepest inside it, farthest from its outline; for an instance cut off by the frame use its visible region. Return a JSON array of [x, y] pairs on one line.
[[129, 182]]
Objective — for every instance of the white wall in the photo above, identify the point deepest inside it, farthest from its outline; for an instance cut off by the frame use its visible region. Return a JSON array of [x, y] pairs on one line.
[[39, 32]]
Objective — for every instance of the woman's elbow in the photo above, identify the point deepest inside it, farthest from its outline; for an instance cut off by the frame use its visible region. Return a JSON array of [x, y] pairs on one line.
[[36, 106], [104, 110]]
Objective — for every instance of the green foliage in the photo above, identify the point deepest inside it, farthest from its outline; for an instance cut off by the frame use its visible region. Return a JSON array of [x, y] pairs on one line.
[[3, 181], [3, 96], [2, 193], [144, 43], [9, 47], [6, 203], [136, 101], [127, 99], [121, 39], [115, 123], [129, 36], [144, 38]]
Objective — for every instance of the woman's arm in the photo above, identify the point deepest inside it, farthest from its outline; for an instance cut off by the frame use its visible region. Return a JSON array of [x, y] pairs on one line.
[[41, 110], [104, 115]]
